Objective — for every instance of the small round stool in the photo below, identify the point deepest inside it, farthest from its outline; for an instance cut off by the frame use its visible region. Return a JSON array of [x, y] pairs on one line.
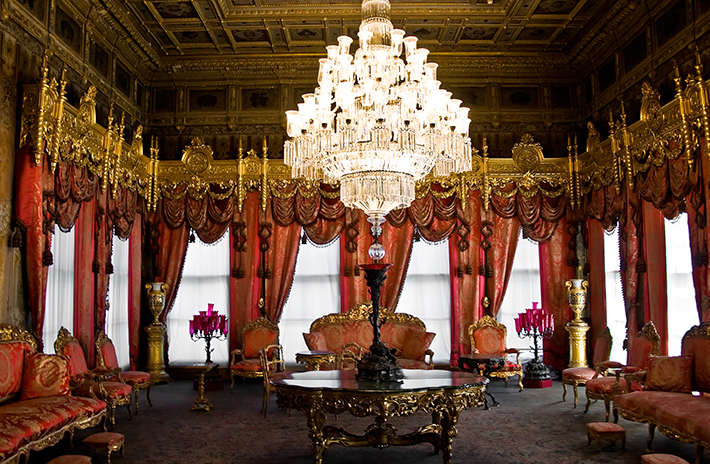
[[71, 459], [661, 458], [607, 431], [104, 442]]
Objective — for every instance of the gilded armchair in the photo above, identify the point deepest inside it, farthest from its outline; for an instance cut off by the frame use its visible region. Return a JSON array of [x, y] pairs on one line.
[[272, 361], [576, 376], [244, 362], [605, 387], [107, 362], [488, 336], [114, 393]]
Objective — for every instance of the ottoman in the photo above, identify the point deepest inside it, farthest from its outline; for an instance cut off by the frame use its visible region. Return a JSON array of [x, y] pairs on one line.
[[606, 431], [71, 459], [661, 458], [104, 442]]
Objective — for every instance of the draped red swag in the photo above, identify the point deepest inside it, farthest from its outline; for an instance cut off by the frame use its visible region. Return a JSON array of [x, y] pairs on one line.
[[264, 241]]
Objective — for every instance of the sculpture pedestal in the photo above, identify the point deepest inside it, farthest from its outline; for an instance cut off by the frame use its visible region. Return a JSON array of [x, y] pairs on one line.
[[577, 343], [156, 361]]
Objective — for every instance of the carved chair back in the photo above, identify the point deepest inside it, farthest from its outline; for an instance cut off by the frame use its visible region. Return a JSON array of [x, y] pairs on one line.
[[106, 352], [696, 343], [602, 347], [259, 334], [487, 336], [647, 343], [67, 345]]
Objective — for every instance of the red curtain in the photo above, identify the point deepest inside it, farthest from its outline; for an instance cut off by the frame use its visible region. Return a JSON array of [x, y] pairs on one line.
[[171, 259], [464, 254], [699, 235], [354, 243], [633, 263], [597, 281], [499, 258], [554, 272], [29, 210], [135, 288], [657, 288], [85, 280]]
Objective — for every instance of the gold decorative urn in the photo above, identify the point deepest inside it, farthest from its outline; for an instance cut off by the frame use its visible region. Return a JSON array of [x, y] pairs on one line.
[[156, 333], [577, 328]]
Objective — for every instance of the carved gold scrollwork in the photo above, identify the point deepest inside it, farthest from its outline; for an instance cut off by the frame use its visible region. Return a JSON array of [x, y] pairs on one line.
[[197, 157]]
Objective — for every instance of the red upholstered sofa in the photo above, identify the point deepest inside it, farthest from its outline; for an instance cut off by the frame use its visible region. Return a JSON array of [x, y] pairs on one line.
[[352, 331], [36, 405], [676, 393]]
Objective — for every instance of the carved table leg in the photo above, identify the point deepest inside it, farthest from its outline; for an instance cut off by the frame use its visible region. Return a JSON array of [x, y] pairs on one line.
[[449, 422], [201, 403], [315, 419]]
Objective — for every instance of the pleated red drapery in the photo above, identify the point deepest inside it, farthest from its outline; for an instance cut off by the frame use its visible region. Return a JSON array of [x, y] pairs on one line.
[[656, 309], [700, 234], [84, 280], [504, 242], [597, 281], [135, 288], [554, 272]]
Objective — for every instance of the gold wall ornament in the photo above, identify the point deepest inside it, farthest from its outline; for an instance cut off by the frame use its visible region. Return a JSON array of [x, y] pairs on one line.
[[156, 333], [577, 328]]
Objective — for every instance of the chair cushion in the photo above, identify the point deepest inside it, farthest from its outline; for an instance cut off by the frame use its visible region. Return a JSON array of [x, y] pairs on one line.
[[315, 341], [640, 352], [660, 458], [117, 390], [11, 365], [578, 373], [135, 377], [71, 459], [604, 427], [605, 385], [103, 440], [248, 365], [77, 362], [417, 343], [334, 338], [510, 366], [602, 348], [108, 351], [670, 373], [256, 339], [489, 339], [394, 335], [45, 375], [699, 347]]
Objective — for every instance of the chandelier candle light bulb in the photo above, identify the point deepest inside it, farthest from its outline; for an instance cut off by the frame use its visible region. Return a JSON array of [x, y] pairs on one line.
[[377, 123], [208, 325]]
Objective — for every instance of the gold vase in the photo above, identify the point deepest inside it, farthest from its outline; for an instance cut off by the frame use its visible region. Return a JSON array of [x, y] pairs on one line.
[[156, 333], [577, 328]]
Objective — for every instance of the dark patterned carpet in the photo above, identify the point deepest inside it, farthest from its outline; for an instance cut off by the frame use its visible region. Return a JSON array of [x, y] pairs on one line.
[[532, 427]]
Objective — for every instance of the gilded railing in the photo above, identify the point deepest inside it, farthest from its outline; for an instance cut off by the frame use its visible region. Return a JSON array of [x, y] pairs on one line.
[[56, 130]]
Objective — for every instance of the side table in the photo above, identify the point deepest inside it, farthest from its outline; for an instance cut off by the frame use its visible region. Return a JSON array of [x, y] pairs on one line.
[[314, 359], [201, 403], [483, 364]]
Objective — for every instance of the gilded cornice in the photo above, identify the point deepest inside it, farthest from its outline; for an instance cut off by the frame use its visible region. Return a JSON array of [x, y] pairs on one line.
[[662, 133]]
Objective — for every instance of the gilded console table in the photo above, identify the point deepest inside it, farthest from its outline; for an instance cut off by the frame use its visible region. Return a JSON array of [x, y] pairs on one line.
[[443, 394]]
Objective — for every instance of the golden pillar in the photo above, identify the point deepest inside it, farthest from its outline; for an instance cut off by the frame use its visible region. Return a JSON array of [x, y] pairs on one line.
[[156, 333], [577, 328]]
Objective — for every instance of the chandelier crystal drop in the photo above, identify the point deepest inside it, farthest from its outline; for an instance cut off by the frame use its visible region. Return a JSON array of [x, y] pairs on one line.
[[377, 123]]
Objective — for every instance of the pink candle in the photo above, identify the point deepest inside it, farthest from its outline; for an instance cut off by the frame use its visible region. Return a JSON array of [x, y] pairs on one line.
[[517, 324], [210, 308], [534, 304], [192, 327]]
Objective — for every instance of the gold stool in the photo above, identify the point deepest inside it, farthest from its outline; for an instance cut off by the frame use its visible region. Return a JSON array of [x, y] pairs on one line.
[[661, 458], [606, 431], [104, 442], [71, 459]]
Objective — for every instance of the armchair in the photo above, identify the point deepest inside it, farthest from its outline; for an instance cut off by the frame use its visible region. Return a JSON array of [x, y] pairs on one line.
[[270, 365], [601, 386], [576, 376], [107, 362], [488, 336], [113, 393], [244, 362]]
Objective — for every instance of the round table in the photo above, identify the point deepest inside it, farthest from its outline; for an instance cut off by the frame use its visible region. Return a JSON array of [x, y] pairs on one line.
[[314, 358], [443, 394]]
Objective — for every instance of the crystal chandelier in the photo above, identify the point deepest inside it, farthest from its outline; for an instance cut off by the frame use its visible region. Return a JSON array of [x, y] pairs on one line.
[[377, 123]]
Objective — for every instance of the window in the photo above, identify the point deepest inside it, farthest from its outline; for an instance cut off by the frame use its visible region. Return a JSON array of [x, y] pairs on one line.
[[59, 306], [682, 310], [117, 314], [615, 310], [426, 294], [315, 292], [523, 289], [205, 279]]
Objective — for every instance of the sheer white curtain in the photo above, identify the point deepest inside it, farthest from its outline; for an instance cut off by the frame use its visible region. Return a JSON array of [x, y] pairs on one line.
[[426, 294], [205, 279], [117, 314], [615, 311], [682, 312], [315, 292], [523, 289], [59, 307]]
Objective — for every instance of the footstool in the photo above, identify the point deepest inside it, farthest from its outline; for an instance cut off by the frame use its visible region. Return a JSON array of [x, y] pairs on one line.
[[607, 431], [104, 442], [661, 458], [71, 459]]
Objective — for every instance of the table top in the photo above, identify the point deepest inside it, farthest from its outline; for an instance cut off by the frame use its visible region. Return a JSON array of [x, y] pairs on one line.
[[483, 356], [344, 380], [201, 366], [315, 353]]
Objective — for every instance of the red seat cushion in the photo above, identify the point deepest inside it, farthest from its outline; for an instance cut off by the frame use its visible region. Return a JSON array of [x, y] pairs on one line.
[[135, 377], [71, 459], [605, 385], [45, 375], [510, 366], [117, 390], [11, 364], [578, 373], [103, 440], [248, 365]]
